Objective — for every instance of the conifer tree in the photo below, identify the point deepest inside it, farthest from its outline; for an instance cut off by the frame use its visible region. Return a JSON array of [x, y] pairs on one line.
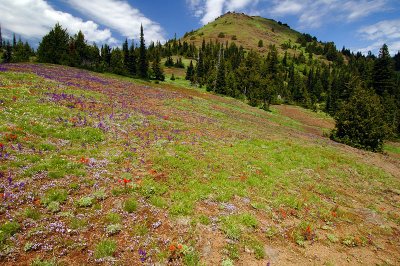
[[54, 46], [360, 121], [14, 40], [1, 39], [143, 63], [7, 56], [125, 51], [383, 76], [117, 61], [396, 59], [190, 72], [200, 70], [132, 60], [220, 82], [156, 67]]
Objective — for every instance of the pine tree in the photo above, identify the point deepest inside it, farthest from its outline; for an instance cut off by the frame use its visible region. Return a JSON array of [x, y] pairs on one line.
[[200, 70], [132, 60], [360, 122], [14, 41], [54, 46], [396, 59], [106, 55], [143, 63], [7, 56], [1, 39], [156, 67], [220, 82], [190, 72], [117, 61], [125, 51], [383, 76]]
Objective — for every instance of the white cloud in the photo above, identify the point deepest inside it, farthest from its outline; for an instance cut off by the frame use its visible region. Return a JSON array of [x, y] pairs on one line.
[[32, 19], [213, 9], [120, 16], [288, 7], [314, 13], [209, 10], [386, 31]]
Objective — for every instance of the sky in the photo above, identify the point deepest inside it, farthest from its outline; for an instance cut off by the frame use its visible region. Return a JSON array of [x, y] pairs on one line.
[[359, 25]]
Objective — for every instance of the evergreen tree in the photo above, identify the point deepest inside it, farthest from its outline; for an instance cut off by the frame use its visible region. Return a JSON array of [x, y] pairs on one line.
[[1, 39], [200, 69], [190, 72], [383, 76], [54, 46], [125, 51], [156, 67], [106, 55], [396, 59], [117, 61], [360, 121], [14, 40], [169, 62], [143, 63], [7, 56], [132, 60], [220, 82], [78, 50]]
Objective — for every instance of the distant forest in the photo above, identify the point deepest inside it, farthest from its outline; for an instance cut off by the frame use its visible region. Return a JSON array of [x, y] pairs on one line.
[[361, 92]]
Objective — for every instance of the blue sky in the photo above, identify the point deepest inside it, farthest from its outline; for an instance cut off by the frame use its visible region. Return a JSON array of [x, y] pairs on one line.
[[360, 25]]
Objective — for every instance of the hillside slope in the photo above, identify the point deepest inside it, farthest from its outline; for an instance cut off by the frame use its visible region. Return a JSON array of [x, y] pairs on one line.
[[246, 31], [99, 169]]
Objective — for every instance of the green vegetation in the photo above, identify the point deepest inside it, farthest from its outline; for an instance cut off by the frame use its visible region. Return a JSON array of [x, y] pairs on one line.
[[130, 205], [105, 248], [190, 166]]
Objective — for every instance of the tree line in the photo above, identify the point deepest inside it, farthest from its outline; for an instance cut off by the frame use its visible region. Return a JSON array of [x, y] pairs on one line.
[[361, 92]]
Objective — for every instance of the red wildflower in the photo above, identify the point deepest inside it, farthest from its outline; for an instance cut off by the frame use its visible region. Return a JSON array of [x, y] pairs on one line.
[[84, 160], [172, 248], [334, 214], [180, 246], [1, 145]]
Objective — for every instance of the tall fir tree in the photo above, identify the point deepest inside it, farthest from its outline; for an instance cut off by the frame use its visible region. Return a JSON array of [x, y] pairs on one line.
[[7, 55], [190, 72], [1, 39], [156, 67], [360, 122], [125, 51], [220, 81], [383, 74], [132, 60], [54, 46], [143, 63], [14, 40], [200, 69]]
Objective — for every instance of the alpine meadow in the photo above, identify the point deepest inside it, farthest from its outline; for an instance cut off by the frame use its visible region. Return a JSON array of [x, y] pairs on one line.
[[242, 142]]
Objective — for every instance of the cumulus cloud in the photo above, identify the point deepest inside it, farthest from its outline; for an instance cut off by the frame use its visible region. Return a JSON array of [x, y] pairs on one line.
[[310, 13], [32, 19], [386, 31], [314, 13], [209, 10], [120, 16]]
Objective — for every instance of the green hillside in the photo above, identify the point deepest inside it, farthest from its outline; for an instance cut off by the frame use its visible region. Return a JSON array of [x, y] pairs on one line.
[[246, 31], [99, 169]]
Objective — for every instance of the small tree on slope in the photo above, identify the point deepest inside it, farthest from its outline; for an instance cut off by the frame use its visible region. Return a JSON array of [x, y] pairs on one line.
[[360, 123]]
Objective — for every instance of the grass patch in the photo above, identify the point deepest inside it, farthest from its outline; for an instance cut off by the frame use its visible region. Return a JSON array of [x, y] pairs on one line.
[[130, 205], [106, 248]]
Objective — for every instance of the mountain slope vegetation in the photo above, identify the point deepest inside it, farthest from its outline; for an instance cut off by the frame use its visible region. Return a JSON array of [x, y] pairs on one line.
[[97, 168]]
